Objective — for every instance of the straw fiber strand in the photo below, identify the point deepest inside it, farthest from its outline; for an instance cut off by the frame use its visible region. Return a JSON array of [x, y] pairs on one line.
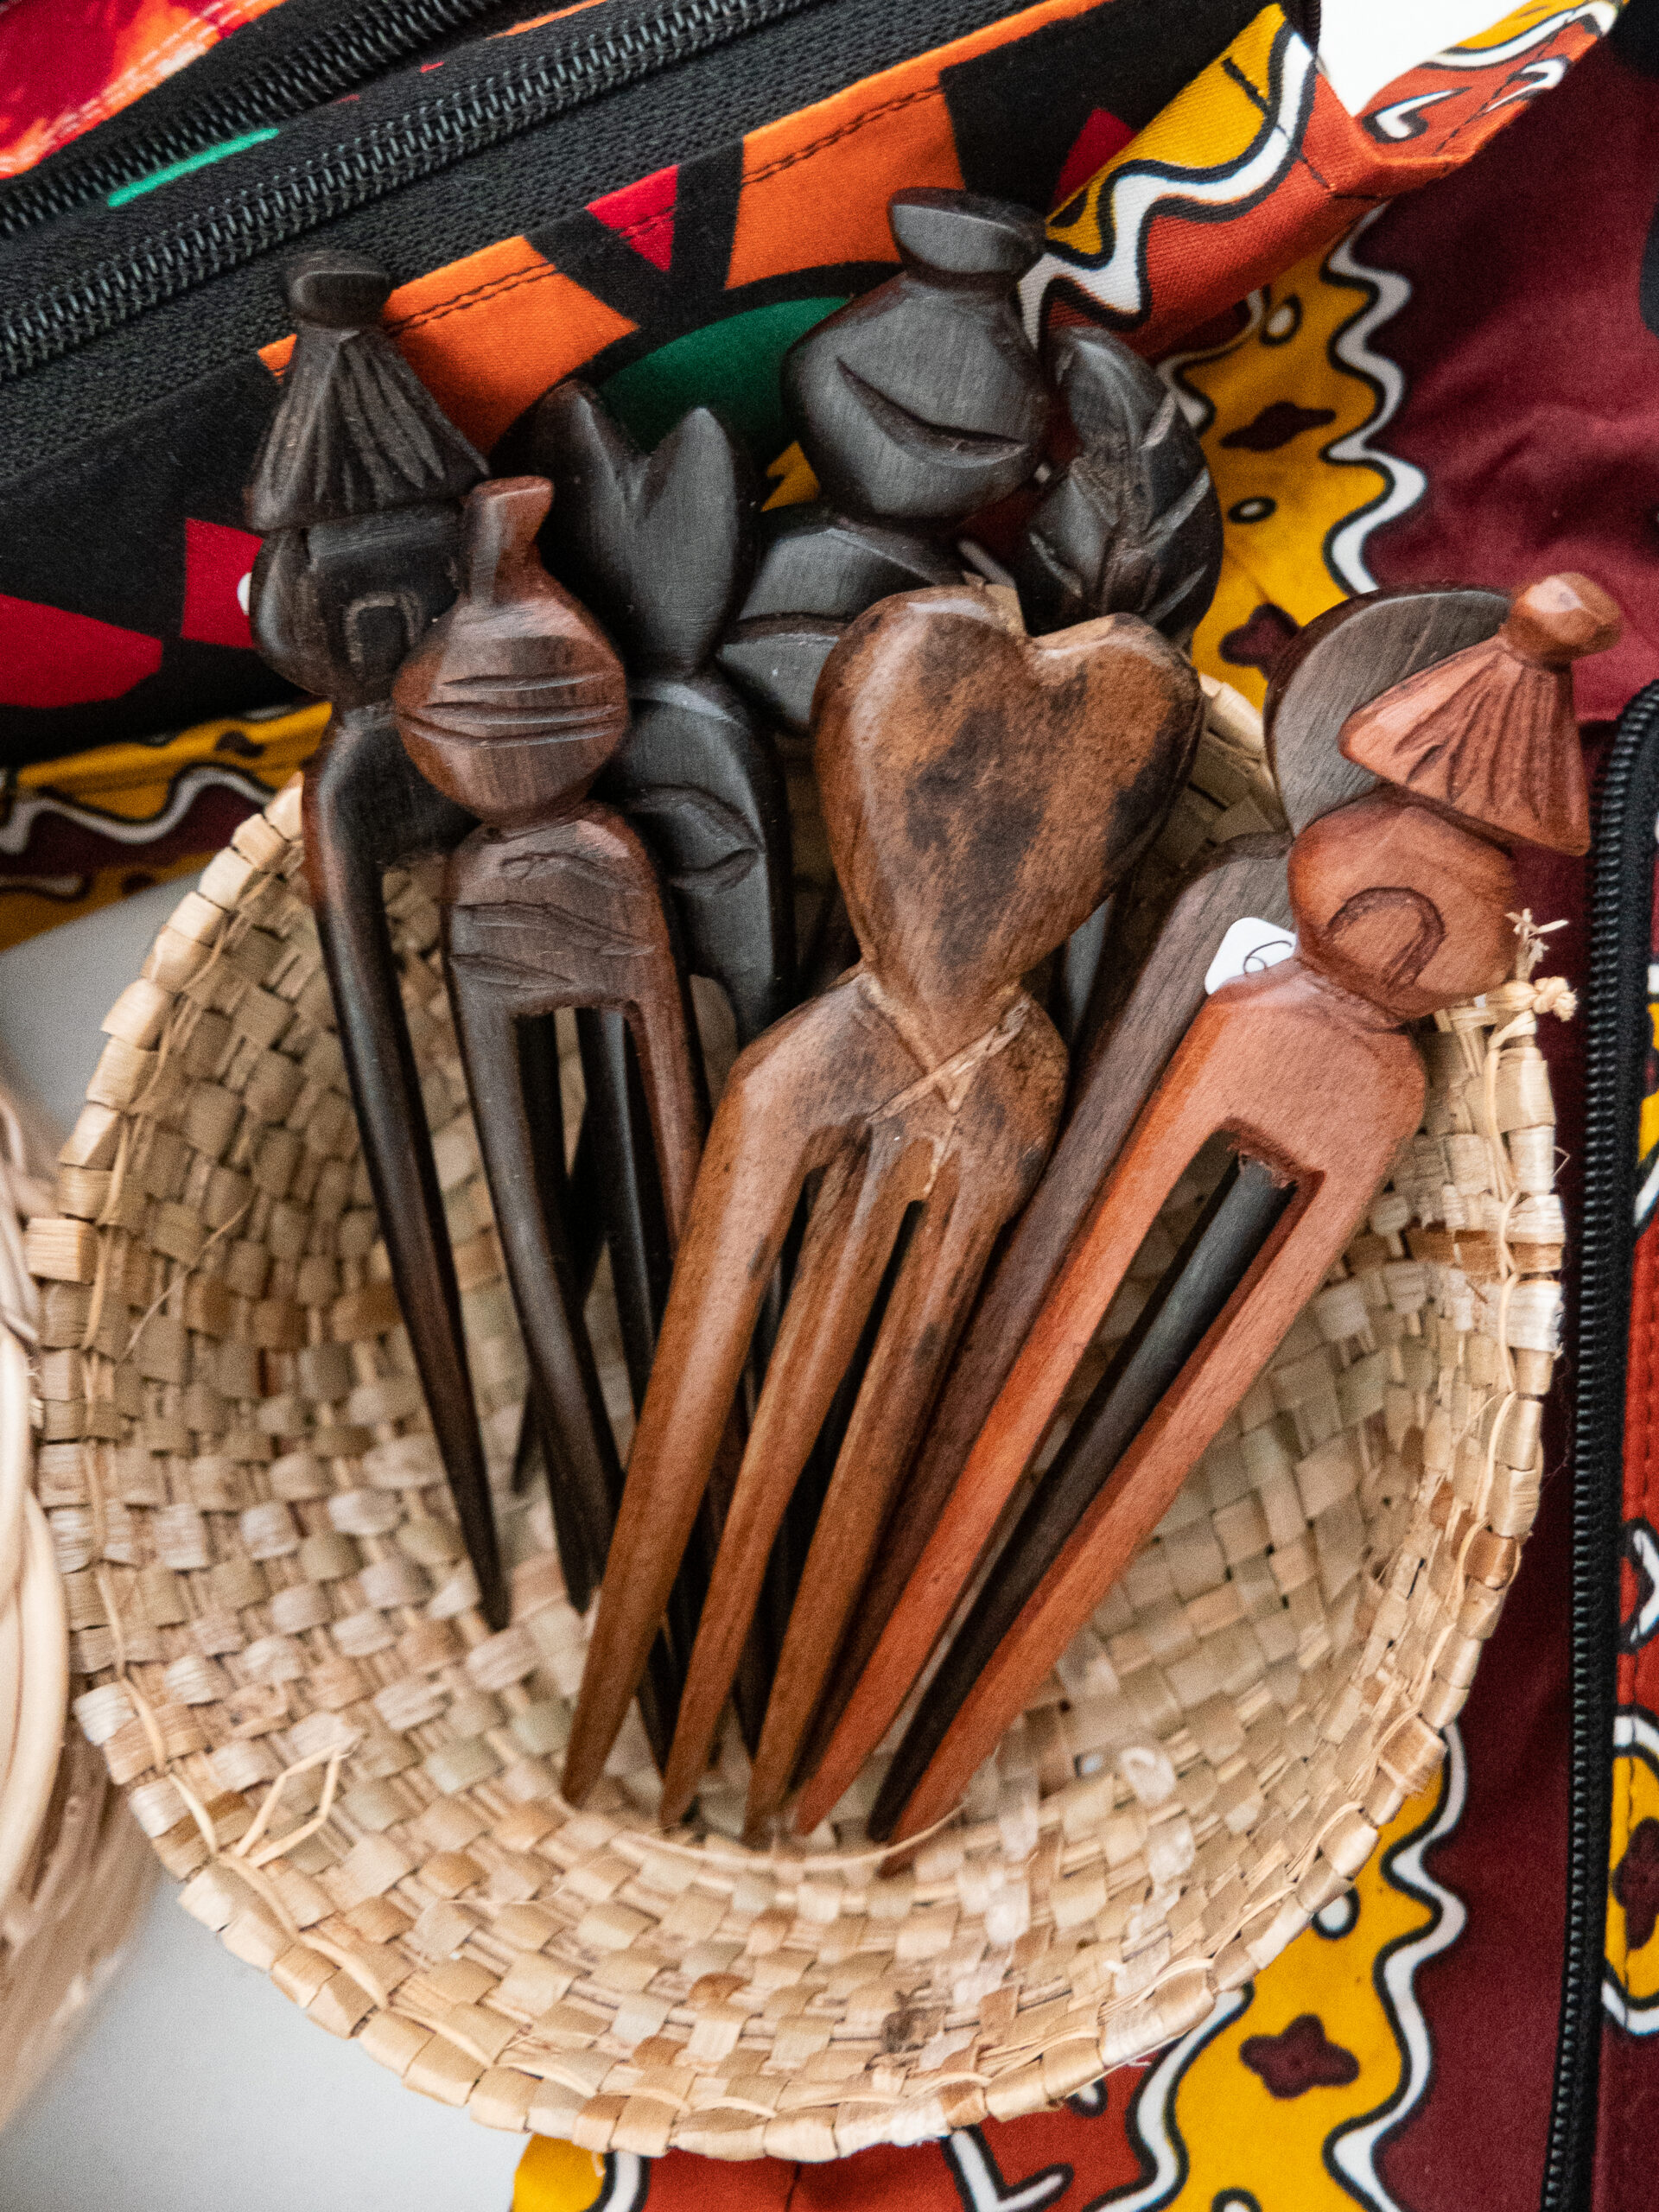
[[75, 1870], [276, 1644]]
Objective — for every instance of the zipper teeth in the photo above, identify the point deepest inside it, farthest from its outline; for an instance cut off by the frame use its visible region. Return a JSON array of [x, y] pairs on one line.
[[1622, 885], [441, 130], [334, 61]]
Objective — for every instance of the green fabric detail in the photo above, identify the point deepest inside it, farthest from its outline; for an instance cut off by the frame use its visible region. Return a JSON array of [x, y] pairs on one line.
[[732, 366], [208, 154]]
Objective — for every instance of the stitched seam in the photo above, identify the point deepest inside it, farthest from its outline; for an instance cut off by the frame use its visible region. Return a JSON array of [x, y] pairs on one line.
[[845, 131], [1486, 107], [460, 301]]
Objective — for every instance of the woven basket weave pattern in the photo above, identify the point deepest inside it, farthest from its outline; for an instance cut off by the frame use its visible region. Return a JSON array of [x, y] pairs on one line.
[[276, 1643]]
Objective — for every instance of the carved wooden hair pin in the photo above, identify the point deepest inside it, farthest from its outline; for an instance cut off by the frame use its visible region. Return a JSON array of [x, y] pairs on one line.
[[511, 708], [357, 492], [657, 546], [1401, 899], [1341, 661], [981, 791]]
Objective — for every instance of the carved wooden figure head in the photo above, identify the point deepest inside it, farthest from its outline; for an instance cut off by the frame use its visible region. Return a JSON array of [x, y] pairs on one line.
[[517, 700], [983, 789], [923, 400], [356, 491]]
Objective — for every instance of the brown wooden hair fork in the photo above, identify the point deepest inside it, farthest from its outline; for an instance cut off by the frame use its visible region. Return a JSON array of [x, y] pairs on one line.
[[981, 790], [1401, 899], [511, 708], [356, 491]]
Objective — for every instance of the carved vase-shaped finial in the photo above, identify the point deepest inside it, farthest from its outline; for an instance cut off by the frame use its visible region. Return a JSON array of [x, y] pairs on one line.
[[516, 700]]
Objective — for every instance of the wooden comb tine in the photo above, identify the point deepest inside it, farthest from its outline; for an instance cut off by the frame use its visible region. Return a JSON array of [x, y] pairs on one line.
[[365, 810], [1110, 1089], [1261, 1057], [724, 1264], [1216, 1256], [848, 1241], [947, 1251]]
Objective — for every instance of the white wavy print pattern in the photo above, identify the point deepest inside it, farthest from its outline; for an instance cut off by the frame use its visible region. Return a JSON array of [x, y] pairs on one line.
[[188, 785], [1139, 191], [1354, 2152], [1153, 2115], [1345, 549], [1603, 14], [625, 2175]]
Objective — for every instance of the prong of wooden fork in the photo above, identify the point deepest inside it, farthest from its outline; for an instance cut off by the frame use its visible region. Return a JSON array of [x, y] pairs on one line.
[[366, 810], [948, 1250], [849, 1239]]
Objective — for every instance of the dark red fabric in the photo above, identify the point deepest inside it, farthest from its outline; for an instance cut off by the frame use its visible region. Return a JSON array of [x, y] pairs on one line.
[[1532, 379]]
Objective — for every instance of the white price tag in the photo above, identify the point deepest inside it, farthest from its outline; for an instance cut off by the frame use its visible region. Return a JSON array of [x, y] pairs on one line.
[[1250, 946]]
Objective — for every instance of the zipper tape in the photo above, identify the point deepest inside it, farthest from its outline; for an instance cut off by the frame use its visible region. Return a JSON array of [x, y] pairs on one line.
[[1615, 999], [297, 57], [523, 92]]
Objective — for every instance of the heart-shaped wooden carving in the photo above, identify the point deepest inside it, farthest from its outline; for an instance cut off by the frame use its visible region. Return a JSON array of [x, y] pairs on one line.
[[984, 789]]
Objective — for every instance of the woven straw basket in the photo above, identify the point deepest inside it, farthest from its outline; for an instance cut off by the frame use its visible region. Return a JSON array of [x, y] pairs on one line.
[[276, 1643], [73, 1866]]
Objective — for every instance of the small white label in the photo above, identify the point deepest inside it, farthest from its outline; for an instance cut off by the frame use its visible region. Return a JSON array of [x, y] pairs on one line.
[[1250, 947]]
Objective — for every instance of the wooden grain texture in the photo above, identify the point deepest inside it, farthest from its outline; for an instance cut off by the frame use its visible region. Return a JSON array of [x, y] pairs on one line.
[[915, 404], [1263, 1061], [657, 546], [1400, 908], [1491, 733], [981, 791], [1341, 661], [512, 707], [1181, 1309], [356, 489], [1110, 1089]]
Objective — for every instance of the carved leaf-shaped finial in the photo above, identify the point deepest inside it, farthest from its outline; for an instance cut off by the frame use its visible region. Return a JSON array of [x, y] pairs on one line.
[[657, 544], [1130, 525]]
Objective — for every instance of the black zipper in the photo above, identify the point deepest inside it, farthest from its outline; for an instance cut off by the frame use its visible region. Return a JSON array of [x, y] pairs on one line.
[[529, 87], [1614, 1011], [275, 73]]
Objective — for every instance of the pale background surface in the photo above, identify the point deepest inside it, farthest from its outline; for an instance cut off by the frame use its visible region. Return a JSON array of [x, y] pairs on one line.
[[197, 2088]]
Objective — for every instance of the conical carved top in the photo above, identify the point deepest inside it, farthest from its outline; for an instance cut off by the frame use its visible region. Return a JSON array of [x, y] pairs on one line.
[[1490, 734], [356, 432], [515, 700]]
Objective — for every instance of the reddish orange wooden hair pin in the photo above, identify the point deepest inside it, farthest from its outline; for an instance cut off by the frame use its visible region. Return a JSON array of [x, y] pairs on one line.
[[1401, 901]]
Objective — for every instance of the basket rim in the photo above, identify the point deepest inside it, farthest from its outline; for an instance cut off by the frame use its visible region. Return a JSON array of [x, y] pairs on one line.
[[402, 1996]]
